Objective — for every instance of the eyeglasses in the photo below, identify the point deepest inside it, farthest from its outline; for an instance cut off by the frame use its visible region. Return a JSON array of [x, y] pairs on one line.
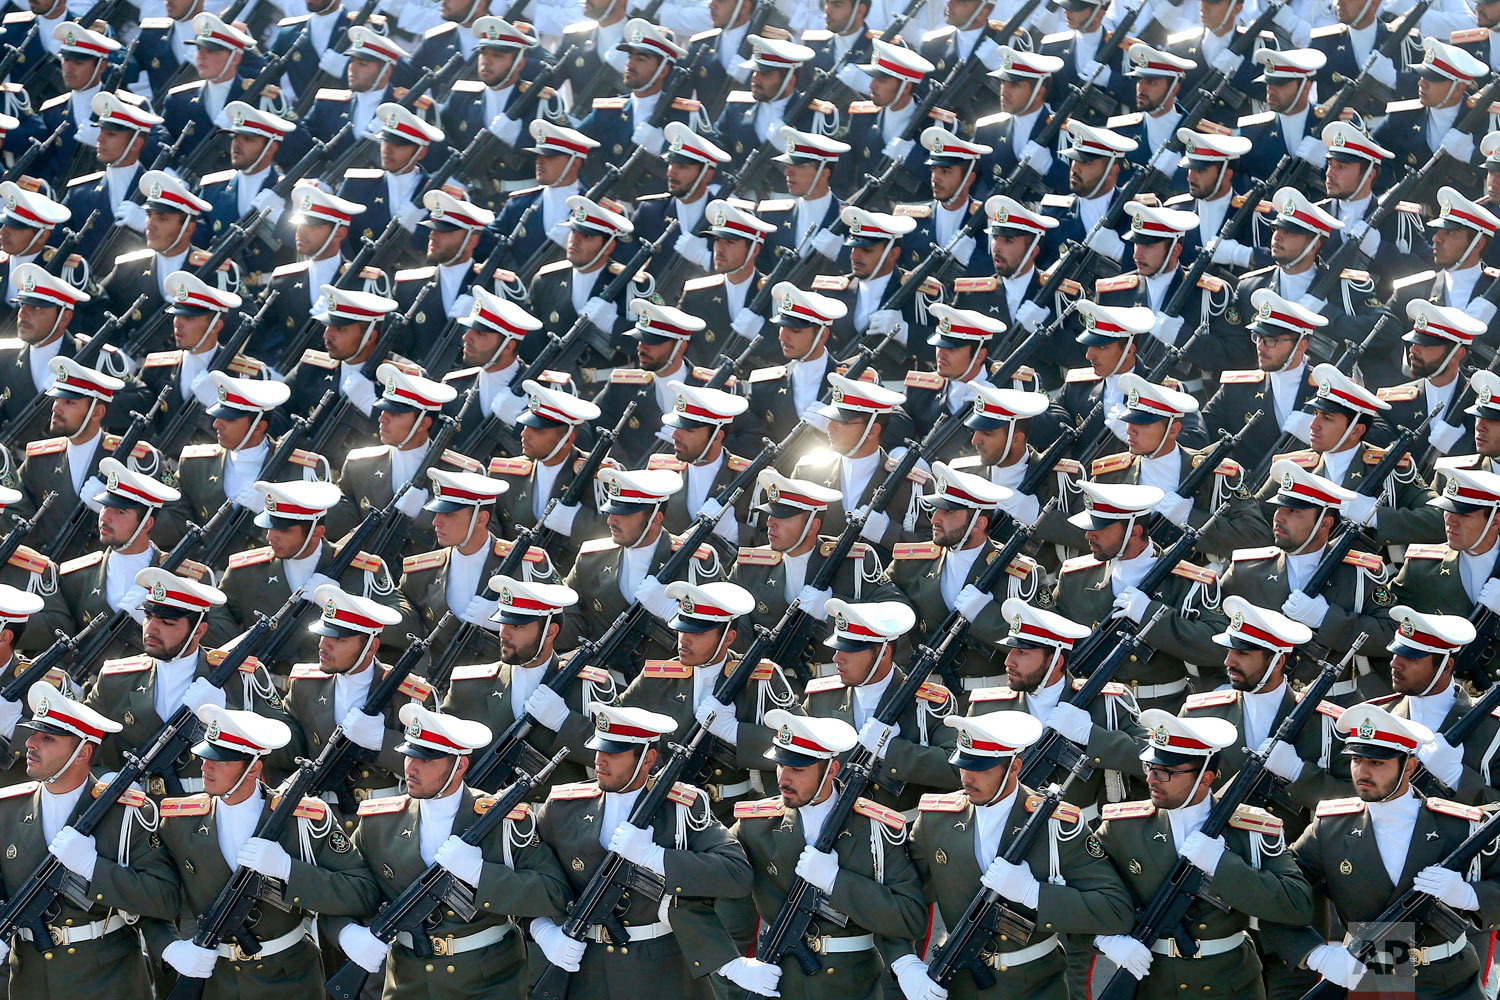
[[1156, 773], [1270, 340]]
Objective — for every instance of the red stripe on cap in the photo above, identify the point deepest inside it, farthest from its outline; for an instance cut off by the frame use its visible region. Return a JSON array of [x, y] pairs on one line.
[[849, 400], [1288, 319], [702, 610], [283, 509], [1264, 636], [1308, 219], [390, 54], [667, 329], [1380, 735], [432, 736], [803, 743], [185, 598], [1036, 631], [1431, 640], [703, 413], [76, 723], [528, 604], [87, 46], [796, 498], [1185, 743], [408, 129], [577, 149], [1311, 492], [621, 729], [896, 69], [20, 210], [1147, 403], [989, 745], [412, 397], [56, 294], [1351, 399], [1472, 219], [173, 197], [854, 628], [228, 40], [1450, 69], [346, 617], [949, 489], [496, 320], [1474, 495]]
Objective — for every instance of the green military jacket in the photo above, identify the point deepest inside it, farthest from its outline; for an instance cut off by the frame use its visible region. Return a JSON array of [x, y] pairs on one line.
[[28, 570], [908, 521], [82, 582], [200, 477], [1476, 787], [367, 480], [762, 571], [424, 585], [516, 507], [1431, 579], [1407, 520]]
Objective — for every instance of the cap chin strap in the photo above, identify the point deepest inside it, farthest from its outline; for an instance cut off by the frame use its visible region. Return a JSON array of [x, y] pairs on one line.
[[52, 331], [817, 343], [1010, 437], [1278, 657], [786, 86], [660, 69], [83, 424], [317, 254], [719, 654], [707, 444], [182, 649], [1005, 762], [149, 512], [505, 339], [962, 193], [969, 24], [255, 422], [1225, 24], [1306, 542], [1165, 447], [1297, 260], [869, 424], [636, 773], [117, 161], [596, 258], [1401, 782], [454, 257], [1125, 537], [243, 775], [1129, 341], [411, 433], [806, 527], [364, 340], [473, 523], [822, 780], [218, 318], [637, 542], [566, 439], [968, 527], [560, 182], [69, 763], [700, 184], [1286, 365], [874, 664], [452, 770], [1488, 523], [1437, 674], [1099, 185], [1349, 429]]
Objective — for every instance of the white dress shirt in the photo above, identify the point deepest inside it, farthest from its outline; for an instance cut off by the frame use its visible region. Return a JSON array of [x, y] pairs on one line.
[[989, 827], [57, 807], [1393, 823], [350, 691], [172, 680], [617, 807], [867, 699], [119, 573], [81, 461], [523, 681], [956, 566], [298, 571], [465, 574], [236, 823], [1188, 819], [435, 822], [1474, 571], [855, 475]]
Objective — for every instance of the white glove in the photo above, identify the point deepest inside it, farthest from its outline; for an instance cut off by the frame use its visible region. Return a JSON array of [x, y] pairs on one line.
[[1382, 70], [887, 321], [1287, 20], [1447, 885], [560, 519], [358, 390], [507, 406], [753, 975], [203, 390], [814, 602], [746, 323], [963, 249], [131, 602], [409, 215], [1203, 853], [1359, 508], [1369, 240], [1459, 145], [131, 216], [1298, 424], [1482, 310], [827, 243], [200, 693], [559, 234], [694, 250], [1311, 150], [915, 983], [1443, 759], [1443, 435], [1126, 952], [547, 707], [75, 852], [724, 726], [1071, 723], [874, 526], [1233, 253], [315, 581], [1227, 62], [363, 948], [465, 861], [855, 79], [1283, 761], [1334, 963], [505, 128], [601, 313], [1166, 328], [92, 487], [265, 856], [1037, 157], [647, 137], [478, 612], [711, 507], [988, 53], [897, 149], [1031, 316], [1106, 243], [190, 960], [1310, 611], [366, 730], [1096, 72], [971, 601], [1024, 507], [1175, 508], [271, 203], [652, 594], [557, 948], [411, 502], [875, 736], [1014, 882], [10, 714], [1489, 595], [333, 63], [818, 868], [1314, 303], [635, 845], [1131, 603]]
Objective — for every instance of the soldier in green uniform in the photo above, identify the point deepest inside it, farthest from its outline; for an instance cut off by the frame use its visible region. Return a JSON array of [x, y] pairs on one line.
[[513, 874], [934, 576], [684, 846], [1459, 574], [1486, 414], [1063, 883], [258, 581], [1250, 873], [208, 837], [94, 951], [868, 877], [915, 750], [493, 331], [698, 421], [17, 608], [1361, 853], [1354, 600], [1100, 586], [529, 615]]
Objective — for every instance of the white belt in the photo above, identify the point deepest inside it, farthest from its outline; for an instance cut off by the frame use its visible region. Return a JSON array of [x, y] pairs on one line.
[[1210, 946], [975, 683], [1145, 692], [275, 946], [1428, 955], [828, 945], [362, 794], [157, 785], [516, 185], [450, 945], [75, 935], [1002, 960], [719, 793], [642, 932]]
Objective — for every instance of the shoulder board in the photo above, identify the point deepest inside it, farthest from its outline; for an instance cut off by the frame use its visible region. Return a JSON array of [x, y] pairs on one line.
[[468, 87], [1341, 807], [1125, 121], [333, 94], [82, 562], [629, 376], [26, 17], [575, 790], [1198, 574], [85, 179], [370, 451], [284, 22], [1255, 820], [460, 373], [252, 557], [379, 807], [856, 551], [187, 805], [976, 284], [1450, 808], [1209, 283], [163, 359], [241, 365], [475, 671], [661, 460], [1114, 688], [740, 97], [704, 551], [529, 190], [1329, 709], [1374, 455], [1127, 810], [1364, 560], [671, 669], [484, 803], [183, 88], [683, 793], [1080, 375], [318, 359], [1119, 283], [686, 104], [1111, 463], [24, 788], [46, 446], [880, 813], [1245, 377], [1329, 30], [1058, 37], [916, 550], [1398, 393], [759, 555], [141, 450], [29, 559], [1183, 37], [772, 374], [1456, 462], [130, 797], [934, 692], [863, 108], [459, 460], [368, 562], [510, 466], [411, 273], [128, 665], [988, 120], [760, 809], [1412, 208], [736, 463], [134, 255], [1069, 467], [1398, 107], [776, 205], [553, 268], [1059, 201], [1260, 552], [1425, 551], [440, 29], [924, 380], [1305, 458], [1354, 274], [1209, 699], [763, 671], [913, 211], [193, 570], [309, 808], [820, 684], [1064, 813], [950, 802], [706, 281], [200, 451], [286, 269], [936, 33], [608, 103], [1080, 562], [1228, 467], [424, 561], [831, 282], [1256, 120], [993, 694], [596, 545], [1468, 36], [61, 99], [217, 177]]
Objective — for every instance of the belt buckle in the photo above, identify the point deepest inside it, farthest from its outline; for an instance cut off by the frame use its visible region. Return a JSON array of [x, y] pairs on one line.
[[713, 792], [240, 955], [1175, 952], [360, 794], [442, 946], [59, 935], [157, 785], [817, 943]]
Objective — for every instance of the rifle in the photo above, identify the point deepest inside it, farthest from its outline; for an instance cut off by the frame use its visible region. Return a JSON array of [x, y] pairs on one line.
[[1456, 734], [282, 189], [1103, 436], [436, 888], [1199, 473], [747, 175], [543, 254], [1038, 471], [583, 479], [583, 335], [1349, 252], [69, 244], [81, 513], [314, 84], [809, 261], [511, 751], [53, 656], [989, 913], [34, 150], [360, 146], [187, 414], [1166, 913], [13, 52], [616, 879], [23, 528], [1333, 110]]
